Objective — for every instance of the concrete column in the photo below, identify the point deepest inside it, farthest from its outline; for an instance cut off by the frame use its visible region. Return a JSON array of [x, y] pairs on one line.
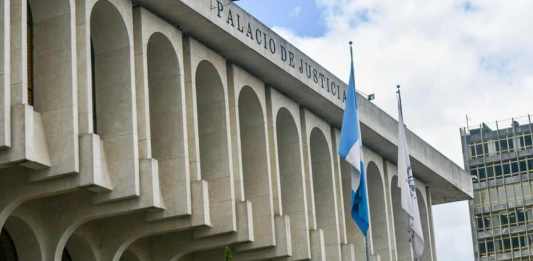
[[351, 249], [54, 81], [401, 225], [212, 155], [256, 171], [29, 145], [5, 74], [111, 24], [378, 210], [425, 225], [290, 171], [161, 109], [322, 182]]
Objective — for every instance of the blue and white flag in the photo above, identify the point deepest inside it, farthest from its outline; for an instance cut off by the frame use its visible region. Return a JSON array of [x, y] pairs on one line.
[[350, 149], [407, 185]]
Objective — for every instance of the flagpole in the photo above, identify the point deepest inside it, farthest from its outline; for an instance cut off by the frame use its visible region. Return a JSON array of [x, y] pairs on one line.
[[367, 245], [411, 233]]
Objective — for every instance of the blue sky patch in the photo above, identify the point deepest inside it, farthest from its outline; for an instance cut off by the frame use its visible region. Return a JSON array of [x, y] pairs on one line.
[[469, 7], [303, 17]]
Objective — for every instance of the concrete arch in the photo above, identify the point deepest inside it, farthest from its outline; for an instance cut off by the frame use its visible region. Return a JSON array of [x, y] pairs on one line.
[[213, 134], [292, 180], [378, 215], [211, 121], [254, 157], [425, 226], [324, 191], [129, 256], [401, 220], [24, 238], [166, 130], [78, 248], [164, 94], [353, 234], [113, 97], [110, 51]]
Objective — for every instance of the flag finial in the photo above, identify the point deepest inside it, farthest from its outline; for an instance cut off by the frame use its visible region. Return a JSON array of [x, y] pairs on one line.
[[351, 51]]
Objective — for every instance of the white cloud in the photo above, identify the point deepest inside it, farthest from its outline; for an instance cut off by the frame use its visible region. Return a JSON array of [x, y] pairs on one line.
[[296, 11], [451, 57]]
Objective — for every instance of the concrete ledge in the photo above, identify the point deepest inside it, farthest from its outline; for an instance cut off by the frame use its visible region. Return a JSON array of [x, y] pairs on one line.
[[29, 147], [282, 247], [94, 173]]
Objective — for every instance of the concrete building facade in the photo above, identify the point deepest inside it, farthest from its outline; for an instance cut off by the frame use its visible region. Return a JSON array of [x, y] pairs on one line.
[[499, 157], [141, 130]]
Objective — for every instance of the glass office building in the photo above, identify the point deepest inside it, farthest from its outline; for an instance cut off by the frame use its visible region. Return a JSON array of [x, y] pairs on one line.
[[499, 157]]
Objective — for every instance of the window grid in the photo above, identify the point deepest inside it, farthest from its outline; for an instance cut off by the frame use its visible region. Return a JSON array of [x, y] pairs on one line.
[[479, 150], [504, 218], [526, 141], [506, 169], [503, 145], [504, 244]]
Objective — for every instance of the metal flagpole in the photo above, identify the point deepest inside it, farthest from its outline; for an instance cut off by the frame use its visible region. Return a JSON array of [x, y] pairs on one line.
[[361, 173], [409, 230]]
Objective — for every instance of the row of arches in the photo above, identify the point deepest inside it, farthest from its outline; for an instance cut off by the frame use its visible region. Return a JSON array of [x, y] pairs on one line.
[[19, 240], [111, 97]]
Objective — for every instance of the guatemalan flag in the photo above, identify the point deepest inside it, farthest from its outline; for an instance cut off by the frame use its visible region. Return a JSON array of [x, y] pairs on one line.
[[350, 149]]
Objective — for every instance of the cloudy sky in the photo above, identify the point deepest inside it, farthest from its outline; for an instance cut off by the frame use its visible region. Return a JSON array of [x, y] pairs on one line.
[[452, 57]]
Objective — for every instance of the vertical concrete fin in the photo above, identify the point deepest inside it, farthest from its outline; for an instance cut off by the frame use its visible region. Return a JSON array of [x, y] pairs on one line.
[[5, 74]]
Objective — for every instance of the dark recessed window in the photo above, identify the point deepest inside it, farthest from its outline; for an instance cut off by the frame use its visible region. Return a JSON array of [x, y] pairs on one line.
[[482, 249], [498, 170], [528, 140], [29, 40], [506, 168], [523, 166], [8, 251], [514, 167]]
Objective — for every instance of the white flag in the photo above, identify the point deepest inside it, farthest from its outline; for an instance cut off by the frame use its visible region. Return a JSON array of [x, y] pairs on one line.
[[406, 182]]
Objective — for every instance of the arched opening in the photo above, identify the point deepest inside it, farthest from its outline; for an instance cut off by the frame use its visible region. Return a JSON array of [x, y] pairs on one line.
[[353, 234], [78, 248], [8, 252], [324, 193], [401, 223], [66, 256], [376, 190], [291, 176], [425, 226], [49, 59], [213, 133], [112, 81], [129, 256], [114, 99], [166, 129], [254, 157], [18, 241]]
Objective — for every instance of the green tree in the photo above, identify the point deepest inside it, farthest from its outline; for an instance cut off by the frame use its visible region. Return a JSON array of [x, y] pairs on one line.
[[228, 255]]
